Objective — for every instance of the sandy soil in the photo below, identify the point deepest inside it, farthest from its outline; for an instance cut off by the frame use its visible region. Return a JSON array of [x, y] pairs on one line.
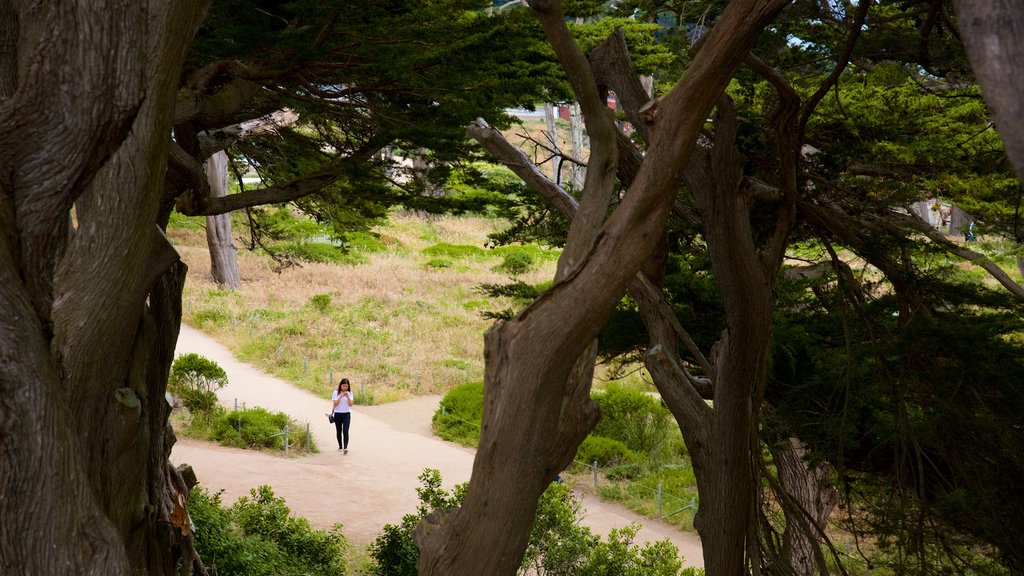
[[375, 483]]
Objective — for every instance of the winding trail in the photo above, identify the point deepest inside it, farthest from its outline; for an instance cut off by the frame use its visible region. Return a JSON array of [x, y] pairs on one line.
[[375, 483]]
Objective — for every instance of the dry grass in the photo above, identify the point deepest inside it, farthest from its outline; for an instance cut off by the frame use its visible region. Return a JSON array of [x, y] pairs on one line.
[[395, 326]]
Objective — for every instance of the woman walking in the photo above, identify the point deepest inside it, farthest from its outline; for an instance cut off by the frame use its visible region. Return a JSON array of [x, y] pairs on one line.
[[342, 399]]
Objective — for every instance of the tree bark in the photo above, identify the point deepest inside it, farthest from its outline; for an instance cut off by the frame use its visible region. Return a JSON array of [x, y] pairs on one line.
[[526, 358], [89, 316], [223, 254], [992, 32], [577, 173], [810, 501], [549, 123]]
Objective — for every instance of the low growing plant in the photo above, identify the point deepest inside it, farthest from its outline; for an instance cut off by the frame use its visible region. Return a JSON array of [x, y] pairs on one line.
[[258, 428], [459, 415], [258, 535], [558, 545], [607, 452]]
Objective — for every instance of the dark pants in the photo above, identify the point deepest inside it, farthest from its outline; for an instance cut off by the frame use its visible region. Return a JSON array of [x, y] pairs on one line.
[[341, 424]]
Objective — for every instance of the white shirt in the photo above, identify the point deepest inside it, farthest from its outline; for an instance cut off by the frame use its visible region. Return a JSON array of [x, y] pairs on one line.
[[342, 406]]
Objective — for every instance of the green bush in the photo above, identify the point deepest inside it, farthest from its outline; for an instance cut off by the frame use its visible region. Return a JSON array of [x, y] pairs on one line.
[[364, 242], [196, 372], [516, 263], [195, 379], [321, 303], [607, 452], [259, 428], [393, 551], [257, 535], [198, 401], [317, 252], [454, 251], [636, 419], [558, 545], [459, 415], [439, 263]]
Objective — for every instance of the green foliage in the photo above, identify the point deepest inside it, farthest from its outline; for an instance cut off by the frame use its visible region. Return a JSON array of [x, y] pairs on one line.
[[455, 252], [520, 293], [484, 188], [179, 220], [558, 545], [676, 486], [636, 419], [195, 380], [210, 317], [260, 429], [257, 535], [459, 414], [316, 252], [606, 452], [321, 303], [394, 550], [366, 242], [439, 264], [931, 408], [516, 263], [198, 401]]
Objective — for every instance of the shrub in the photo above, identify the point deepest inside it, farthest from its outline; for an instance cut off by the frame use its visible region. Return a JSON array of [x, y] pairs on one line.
[[516, 263], [320, 302], [364, 242], [459, 415], [317, 252], [558, 545], [195, 379], [394, 551], [636, 419], [454, 251], [606, 452], [257, 535], [255, 428], [198, 401]]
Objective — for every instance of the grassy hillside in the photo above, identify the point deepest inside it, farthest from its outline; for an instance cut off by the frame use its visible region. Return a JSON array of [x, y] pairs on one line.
[[405, 322]]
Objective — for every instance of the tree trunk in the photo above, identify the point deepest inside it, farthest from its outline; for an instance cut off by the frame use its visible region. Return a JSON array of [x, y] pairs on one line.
[[223, 254], [991, 32], [549, 122], [90, 304], [577, 173], [810, 500], [530, 359]]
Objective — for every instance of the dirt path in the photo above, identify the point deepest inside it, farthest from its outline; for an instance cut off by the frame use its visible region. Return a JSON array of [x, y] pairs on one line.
[[375, 483]]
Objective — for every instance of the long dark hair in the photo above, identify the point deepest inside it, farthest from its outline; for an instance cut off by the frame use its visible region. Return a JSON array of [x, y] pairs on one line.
[[344, 381]]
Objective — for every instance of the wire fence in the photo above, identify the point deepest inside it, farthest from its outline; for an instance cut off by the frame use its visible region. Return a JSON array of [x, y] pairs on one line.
[[286, 432]]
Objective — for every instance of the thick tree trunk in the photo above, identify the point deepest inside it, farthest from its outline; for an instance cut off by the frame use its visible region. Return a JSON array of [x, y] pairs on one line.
[[88, 313], [223, 254], [992, 32], [530, 359]]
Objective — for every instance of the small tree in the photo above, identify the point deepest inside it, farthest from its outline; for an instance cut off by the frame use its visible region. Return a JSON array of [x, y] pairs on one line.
[[195, 380]]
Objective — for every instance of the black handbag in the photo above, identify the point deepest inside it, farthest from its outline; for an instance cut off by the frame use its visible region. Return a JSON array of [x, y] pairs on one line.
[[330, 417]]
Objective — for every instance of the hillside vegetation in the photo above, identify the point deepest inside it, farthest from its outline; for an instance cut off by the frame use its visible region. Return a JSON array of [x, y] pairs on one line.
[[402, 319]]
